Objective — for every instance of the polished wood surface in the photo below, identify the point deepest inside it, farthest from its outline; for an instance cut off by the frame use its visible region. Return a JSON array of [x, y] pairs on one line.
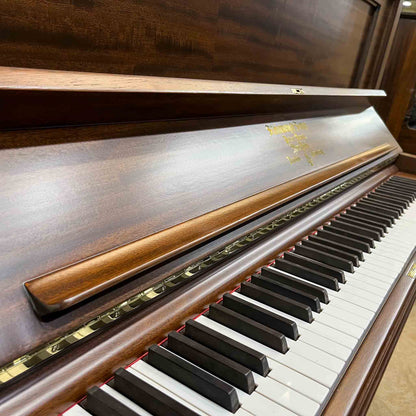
[[326, 43], [66, 379], [406, 162], [66, 287], [400, 79]]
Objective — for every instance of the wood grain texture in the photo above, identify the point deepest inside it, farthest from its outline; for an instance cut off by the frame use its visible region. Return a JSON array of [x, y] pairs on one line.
[[64, 381], [66, 287], [325, 43], [406, 162], [400, 77], [43, 80]]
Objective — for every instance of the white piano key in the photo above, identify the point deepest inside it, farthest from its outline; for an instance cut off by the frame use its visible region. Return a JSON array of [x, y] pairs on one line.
[[124, 400], [320, 329], [180, 390], [166, 391], [76, 410], [367, 284], [340, 325], [380, 276], [297, 381], [333, 348], [350, 307], [362, 293], [346, 316], [284, 396], [306, 367], [319, 356]]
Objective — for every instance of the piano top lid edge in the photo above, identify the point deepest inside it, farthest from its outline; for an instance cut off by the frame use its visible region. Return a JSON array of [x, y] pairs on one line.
[[32, 79]]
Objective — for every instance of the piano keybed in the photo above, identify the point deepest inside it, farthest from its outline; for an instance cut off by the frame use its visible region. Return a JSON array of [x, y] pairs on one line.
[[280, 342]]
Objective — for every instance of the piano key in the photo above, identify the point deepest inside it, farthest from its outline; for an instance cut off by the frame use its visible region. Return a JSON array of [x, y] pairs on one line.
[[306, 351], [307, 274], [334, 229], [76, 410], [284, 396], [363, 224], [394, 195], [324, 331], [372, 211], [398, 188], [211, 361], [285, 278], [315, 265], [285, 290], [356, 212], [357, 228], [180, 390], [162, 390], [350, 216], [274, 321], [301, 311], [367, 285], [147, 396], [379, 208], [389, 202], [105, 401], [248, 327], [194, 377], [342, 239], [303, 366], [327, 255], [342, 247], [240, 353]]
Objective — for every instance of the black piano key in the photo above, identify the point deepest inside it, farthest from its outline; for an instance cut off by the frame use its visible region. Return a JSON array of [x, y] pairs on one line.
[[355, 228], [147, 396], [379, 208], [194, 377], [387, 201], [342, 239], [213, 362], [100, 403], [291, 307], [315, 265], [288, 291], [334, 229], [258, 314], [400, 187], [307, 274], [403, 179], [394, 193], [368, 216], [248, 327], [342, 247], [252, 359], [281, 277], [354, 259], [362, 223], [405, 187], [371, 210], [383, 197], [323, 255]]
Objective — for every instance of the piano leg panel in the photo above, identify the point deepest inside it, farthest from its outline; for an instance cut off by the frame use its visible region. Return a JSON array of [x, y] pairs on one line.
[[358, 386]]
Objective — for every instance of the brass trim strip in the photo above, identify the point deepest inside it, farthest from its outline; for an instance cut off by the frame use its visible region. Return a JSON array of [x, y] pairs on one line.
[[66, 287], [22, 364]]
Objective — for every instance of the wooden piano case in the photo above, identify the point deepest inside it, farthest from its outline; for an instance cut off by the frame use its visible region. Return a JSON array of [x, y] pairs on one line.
[[115, 185]]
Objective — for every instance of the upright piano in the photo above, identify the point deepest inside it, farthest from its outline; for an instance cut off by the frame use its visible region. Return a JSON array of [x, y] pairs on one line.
[[201, 211], [204, 265]]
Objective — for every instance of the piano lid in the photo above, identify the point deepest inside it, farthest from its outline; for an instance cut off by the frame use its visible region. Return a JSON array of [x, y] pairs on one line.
[[88, 214]]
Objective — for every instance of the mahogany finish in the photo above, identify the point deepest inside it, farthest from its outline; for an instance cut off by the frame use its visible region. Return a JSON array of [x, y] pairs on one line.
[[399, 82], [406, 162], [326, 43], [66, 379], [66, 287]]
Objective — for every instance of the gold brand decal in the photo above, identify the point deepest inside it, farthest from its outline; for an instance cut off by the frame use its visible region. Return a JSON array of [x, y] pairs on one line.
[[294, 135], [412, 271]]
